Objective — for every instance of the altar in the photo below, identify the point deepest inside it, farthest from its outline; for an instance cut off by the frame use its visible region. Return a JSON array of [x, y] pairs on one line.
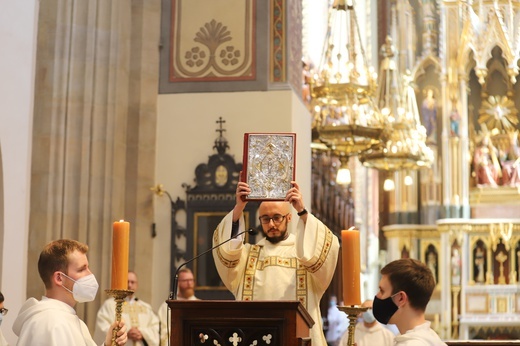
[[476, 265]]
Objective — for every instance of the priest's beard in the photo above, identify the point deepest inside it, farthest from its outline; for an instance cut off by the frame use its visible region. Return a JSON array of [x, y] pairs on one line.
[[188, 292], [276, 239]]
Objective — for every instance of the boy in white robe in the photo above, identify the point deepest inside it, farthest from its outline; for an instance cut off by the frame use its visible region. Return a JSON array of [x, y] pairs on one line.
[[52, 321], [285, 266], [405, 289], [369, 332]]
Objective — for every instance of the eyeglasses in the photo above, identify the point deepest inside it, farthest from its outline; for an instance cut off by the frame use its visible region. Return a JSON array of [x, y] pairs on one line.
[[3, 311], [277, 219]]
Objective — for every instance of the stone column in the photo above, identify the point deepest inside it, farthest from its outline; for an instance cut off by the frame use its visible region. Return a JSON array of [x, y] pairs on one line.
[[94, 132]]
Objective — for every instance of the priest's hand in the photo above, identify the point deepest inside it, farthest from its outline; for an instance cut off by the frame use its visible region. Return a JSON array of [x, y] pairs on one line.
[[121, 335], [135, 334], [294, 196]]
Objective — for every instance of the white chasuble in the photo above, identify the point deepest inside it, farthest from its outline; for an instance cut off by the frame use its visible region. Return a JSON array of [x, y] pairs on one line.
[[300, 267]]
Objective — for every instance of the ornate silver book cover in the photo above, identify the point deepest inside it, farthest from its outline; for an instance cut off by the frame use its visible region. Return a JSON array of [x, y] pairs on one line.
[[269, 164]]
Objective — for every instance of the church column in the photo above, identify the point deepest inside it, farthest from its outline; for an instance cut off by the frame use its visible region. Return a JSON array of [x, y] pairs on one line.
[[455, 129], [464, 177], [447, 152], [94, 132]]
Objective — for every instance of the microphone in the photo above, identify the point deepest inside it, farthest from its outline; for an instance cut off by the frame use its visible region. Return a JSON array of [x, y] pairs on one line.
[[173, 293]]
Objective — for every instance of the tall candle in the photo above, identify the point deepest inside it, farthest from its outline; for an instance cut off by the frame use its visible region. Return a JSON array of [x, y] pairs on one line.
[[351, 267], [120, 249]]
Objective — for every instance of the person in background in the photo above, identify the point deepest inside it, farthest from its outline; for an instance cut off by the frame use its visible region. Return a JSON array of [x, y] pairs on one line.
[[185, 291], [289, 266], [143, 323], [369, 332], [405, 289], [3, 312], [52, 321], [337, 323]]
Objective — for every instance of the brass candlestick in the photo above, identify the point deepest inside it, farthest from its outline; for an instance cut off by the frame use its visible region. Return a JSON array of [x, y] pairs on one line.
[[119, 297], [352, 312]]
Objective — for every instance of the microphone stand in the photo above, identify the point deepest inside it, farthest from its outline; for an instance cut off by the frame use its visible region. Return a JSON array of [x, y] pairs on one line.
[[173, 293]]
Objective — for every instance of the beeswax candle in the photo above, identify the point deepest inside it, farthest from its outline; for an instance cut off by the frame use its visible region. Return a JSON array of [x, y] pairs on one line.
[[351, 267], [120, 249]]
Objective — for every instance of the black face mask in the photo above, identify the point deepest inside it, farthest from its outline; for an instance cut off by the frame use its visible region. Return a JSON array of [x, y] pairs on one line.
[[384, 309]]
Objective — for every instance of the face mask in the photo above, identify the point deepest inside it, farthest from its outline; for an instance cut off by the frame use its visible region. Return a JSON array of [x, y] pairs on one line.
[[84, 289], [384, 309], [368, 316], [1, 318]]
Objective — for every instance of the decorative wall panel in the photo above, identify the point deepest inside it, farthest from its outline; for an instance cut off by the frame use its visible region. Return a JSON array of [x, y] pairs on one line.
[[212, 40]]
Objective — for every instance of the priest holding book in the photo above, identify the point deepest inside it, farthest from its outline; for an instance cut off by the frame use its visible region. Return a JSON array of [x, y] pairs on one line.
[[283, 265]]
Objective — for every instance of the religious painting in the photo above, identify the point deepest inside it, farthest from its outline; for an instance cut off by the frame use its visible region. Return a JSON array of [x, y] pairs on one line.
[[431, 257], [456, 264], [205, 223], [479, 262], [501, 265]]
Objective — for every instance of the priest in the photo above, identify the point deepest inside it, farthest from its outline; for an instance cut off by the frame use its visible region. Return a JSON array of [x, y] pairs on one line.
[[282, 265]]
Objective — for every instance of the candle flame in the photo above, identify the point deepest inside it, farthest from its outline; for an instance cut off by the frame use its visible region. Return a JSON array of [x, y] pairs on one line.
[[352, 228], [121, 220]]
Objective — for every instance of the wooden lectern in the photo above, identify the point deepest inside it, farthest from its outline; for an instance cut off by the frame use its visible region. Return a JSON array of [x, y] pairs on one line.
[[230, 322]]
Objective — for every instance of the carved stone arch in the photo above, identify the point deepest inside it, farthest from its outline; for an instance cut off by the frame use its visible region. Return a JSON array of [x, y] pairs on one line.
[[494, 36], [468, 63], [422, 66], [466, 47], [498, 60], [497, 84]]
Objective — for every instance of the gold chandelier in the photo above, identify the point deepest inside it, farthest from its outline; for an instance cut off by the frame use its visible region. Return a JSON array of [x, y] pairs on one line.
[[403, 141], [345, 116]]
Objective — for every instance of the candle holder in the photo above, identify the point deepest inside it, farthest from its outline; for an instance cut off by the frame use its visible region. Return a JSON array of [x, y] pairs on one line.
[[352, 312], [119, 297]]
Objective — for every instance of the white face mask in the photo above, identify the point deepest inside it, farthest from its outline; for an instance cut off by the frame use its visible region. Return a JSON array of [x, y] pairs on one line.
[[84, 289], [368, 316]]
